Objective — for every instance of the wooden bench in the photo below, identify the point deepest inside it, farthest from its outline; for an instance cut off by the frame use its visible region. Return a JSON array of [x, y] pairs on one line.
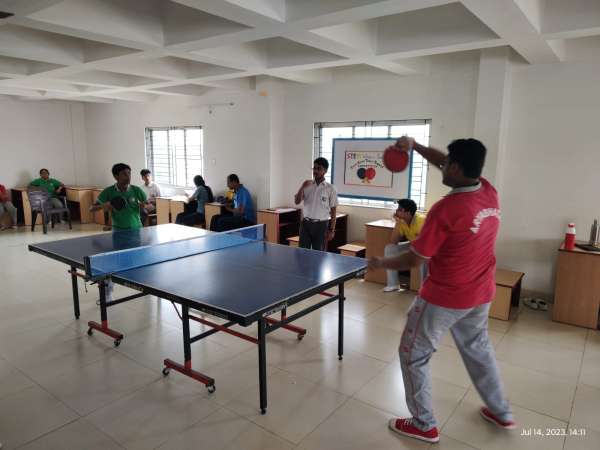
[[293, 241], [357, 249], [508, 292]]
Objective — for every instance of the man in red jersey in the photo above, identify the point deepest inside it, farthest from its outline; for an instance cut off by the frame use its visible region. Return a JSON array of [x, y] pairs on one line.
[[457, 242]]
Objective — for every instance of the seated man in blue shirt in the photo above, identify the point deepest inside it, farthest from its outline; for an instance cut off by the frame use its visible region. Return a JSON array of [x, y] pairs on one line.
[[242, 214]]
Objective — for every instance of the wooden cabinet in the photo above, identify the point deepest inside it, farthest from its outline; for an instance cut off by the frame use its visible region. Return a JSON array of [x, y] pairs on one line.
[[280, 223], [341, 233], [508, 292], [577, 289]]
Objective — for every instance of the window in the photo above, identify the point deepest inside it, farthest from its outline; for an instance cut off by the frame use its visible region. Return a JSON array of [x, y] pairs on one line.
[[174, 154], [326, 132]]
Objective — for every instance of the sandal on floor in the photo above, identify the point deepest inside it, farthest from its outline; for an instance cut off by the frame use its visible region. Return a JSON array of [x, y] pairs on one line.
[[542, 305], [531, 302]]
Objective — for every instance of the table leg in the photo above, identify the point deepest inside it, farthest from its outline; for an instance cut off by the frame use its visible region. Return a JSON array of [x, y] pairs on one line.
[[186, 368], [262, 364], [341, 321], [75, 287], [103, 326]]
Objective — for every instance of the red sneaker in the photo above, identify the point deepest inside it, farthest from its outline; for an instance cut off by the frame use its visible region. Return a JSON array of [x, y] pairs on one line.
[[490, 417], [406, 428]]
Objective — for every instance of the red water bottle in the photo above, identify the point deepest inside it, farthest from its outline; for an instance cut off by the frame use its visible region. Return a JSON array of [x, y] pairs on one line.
[[570, 237]]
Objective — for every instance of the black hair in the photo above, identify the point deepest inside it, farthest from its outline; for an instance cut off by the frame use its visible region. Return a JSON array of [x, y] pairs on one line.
[[322, 162], [118, 168], [41, 170], [199, 181], [407, 205], [233, 178], [145, 172], [469, 154]]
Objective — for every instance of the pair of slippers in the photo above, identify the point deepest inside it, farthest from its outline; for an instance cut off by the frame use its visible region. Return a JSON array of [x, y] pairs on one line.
[[535, 303]]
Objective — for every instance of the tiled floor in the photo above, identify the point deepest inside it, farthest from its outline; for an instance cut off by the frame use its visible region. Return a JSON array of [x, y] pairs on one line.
[[63, 390]]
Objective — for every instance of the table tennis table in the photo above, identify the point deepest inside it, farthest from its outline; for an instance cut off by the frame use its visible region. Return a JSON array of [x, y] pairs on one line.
[[235, 276]]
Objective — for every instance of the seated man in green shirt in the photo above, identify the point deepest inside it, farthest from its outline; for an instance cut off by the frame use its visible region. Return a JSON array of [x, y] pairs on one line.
[[123, 201], [52, 185]]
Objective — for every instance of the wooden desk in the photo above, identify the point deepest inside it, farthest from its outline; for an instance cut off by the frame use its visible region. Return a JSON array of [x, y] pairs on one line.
[[167, 208], [83, 196], [100, 216], [280, 223], [212, 209], [78, 194], [577, 288], [379, 234]]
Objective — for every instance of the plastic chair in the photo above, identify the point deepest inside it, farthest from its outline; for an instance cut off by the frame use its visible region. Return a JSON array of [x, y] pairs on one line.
[[40, 204]]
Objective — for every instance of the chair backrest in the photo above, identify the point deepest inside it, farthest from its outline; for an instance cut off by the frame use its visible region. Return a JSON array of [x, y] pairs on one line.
[[37, 199]]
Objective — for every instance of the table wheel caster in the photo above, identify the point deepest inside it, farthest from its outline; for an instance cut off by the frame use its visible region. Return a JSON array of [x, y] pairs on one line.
[[117, 342], [166, 371], [90, 332], [211, 388]]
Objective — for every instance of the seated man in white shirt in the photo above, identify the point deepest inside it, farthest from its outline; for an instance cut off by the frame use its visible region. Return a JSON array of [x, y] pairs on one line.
[[152, 191]]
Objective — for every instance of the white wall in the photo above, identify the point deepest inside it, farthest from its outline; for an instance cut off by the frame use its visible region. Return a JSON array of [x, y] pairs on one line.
[[42, 134], [447, 96], [552, 165], [236, 138]]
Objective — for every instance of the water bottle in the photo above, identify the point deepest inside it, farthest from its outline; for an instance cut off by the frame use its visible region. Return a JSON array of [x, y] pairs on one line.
[[570, 237]]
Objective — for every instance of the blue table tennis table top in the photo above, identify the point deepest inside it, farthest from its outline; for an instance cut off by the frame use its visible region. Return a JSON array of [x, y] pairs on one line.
[[240, 282]]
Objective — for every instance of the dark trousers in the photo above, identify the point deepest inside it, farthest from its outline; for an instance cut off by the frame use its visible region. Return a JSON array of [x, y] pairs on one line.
[[222, 222], [313, 234], [190, 218]]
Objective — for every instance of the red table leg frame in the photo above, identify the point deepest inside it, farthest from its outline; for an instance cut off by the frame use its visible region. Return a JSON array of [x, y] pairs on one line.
[[103, 328], [187, 370]]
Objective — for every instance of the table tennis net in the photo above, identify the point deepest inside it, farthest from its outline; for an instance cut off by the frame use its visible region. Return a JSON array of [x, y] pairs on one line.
[[104, 264]]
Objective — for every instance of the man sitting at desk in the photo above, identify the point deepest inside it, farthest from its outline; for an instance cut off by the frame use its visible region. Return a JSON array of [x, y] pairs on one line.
[[152, 190], [241, 214], [408, 226], [202, 195], [51, 185]]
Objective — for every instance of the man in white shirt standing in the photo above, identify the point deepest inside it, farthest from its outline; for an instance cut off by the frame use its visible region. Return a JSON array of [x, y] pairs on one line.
[[152, 191], [320, 204]]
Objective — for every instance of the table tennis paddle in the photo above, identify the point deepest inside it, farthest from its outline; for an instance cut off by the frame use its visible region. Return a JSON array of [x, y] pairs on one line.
[[118, 203], [394, 159]]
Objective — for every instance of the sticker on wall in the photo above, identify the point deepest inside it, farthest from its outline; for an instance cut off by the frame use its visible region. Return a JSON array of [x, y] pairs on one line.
[[366, 168]]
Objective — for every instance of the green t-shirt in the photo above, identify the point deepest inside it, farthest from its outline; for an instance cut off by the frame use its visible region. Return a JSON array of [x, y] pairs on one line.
[[51, 185], [127, 218]]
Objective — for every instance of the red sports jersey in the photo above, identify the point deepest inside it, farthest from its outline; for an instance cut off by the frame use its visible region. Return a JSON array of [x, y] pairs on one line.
[[458, 238]]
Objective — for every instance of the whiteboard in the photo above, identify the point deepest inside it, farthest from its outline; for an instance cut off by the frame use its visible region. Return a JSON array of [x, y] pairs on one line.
[[357, 170]]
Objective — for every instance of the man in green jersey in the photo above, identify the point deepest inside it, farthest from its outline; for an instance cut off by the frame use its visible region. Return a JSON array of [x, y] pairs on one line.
[[51, 185], [124, 202]]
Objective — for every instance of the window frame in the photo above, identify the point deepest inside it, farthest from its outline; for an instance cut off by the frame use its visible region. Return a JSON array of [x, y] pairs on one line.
[[374, 202], [149, 153]]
